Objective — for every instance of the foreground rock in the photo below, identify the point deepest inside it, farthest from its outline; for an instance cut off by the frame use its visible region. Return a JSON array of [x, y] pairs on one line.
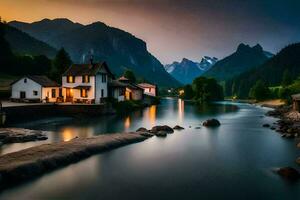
[[211, 123], [177, 127], [28, 163], [289, 173], [18, 135], [165, 128], [142, 129]]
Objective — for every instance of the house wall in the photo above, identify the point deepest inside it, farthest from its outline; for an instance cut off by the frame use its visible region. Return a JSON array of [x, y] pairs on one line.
[[101, 86], [27, 87], [47, 92], [116, 94], [137, 94], [150, 91], [77, 92]]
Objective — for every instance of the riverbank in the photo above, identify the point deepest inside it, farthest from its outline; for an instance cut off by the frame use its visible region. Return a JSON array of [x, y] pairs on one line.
[[26, 164]]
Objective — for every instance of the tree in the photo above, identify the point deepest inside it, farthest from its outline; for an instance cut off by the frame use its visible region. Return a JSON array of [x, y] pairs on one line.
[[259, 91], [286, 78], [6, 55], [61, 63], [188, 92], [207, 89], [130, 76]]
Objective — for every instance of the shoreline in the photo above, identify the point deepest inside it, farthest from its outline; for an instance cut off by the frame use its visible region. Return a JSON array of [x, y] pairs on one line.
[[24, 165]]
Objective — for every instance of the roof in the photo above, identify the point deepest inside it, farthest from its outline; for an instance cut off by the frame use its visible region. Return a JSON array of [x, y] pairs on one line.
[[296, 96], [86, 69], [115, 83], [42, 80], [123, 78], [87, 87], [134, 86], [146, 85]]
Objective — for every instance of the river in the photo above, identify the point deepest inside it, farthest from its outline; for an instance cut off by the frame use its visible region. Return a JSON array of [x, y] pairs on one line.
[[234, 161]]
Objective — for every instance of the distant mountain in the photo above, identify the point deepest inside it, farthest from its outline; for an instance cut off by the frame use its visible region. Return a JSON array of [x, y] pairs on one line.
[[271, 72], [121, 50], [242, 60], [22, 43], [186, 71]]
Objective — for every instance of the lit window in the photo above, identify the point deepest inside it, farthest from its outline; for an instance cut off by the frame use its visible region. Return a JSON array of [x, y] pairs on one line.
[[85, 79], [35, 93], [83, 93], [70, 79]]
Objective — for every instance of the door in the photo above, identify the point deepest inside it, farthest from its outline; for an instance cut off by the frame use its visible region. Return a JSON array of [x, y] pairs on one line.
[[22, 95], [69, 95]]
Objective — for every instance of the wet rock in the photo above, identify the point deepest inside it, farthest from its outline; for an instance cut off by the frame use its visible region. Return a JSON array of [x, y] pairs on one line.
[[165, 128], [298, 161], [198, 127], [142, 129], [289, 136], [211, 123], [289, 173], [273, 128], [146, 134], [161, 134], [266, 125], [19, 135], [177, 127]]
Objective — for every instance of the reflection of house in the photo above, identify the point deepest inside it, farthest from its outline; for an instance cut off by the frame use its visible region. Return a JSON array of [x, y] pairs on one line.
[[296, 102], [149, 89], [86, 83], [133, 91], [34, 88]]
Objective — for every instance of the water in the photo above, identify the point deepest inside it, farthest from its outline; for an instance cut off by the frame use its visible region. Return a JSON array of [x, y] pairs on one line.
[[234, 161]]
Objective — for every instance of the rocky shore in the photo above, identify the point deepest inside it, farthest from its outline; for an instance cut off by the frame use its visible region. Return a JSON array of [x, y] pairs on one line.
[[19, 135], [26, 164]]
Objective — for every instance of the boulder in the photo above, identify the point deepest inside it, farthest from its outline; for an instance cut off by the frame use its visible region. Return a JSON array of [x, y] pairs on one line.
[[198, 127], [289, 173], [164, 128], [145, 134], [177, 127], [211, 123], [142, 129], [161, 134], [266, 125]]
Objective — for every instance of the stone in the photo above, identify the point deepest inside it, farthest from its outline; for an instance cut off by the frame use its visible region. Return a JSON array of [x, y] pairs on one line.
[[298, 160], [266, 125], [198, 127], [164, 128], [211, 123], [288, 173], [273, 128], [145, 134], [177, 127], [161, 134], [142, 129]]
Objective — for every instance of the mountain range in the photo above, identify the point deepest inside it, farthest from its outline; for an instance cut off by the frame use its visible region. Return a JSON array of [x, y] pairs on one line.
[[121, 50], [242, 60], [186, 70]]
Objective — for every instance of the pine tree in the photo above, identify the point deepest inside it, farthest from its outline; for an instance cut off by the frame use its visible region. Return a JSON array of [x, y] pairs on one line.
[[286, 78], [61, 63], [130, 75]]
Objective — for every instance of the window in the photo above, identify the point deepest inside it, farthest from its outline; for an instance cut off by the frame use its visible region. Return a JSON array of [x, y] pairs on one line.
[[103, 78], [84, 93], [102, 93], [85, 79], [70, 79], [149, 89], [121, 92], [35, 93], [25, 80], [53, 92]]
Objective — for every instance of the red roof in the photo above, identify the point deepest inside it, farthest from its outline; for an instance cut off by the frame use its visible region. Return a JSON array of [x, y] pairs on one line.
[[146, 85]]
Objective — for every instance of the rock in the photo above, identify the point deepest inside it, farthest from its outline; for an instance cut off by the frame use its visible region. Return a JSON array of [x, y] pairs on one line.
[[178, 127], [198, 127], [273, 128], [266, 125], [289, 136], [298, 161], [288, 173], [142, 129], [164, 128], [161, 134], [145, 134], [190, 126], [211, 123]]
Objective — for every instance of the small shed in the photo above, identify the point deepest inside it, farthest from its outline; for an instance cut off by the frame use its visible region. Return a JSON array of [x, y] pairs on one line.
[[296, 102], [34, 89]]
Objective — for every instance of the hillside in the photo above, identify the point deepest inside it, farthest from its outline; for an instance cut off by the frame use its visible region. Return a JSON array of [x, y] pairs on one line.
[[186, 71], [242, 60], [271, 72], [22, 43], [121, 50]]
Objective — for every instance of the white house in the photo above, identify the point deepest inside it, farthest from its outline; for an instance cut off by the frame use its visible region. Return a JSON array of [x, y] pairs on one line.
[[117, 90], [35, 89], [149, 89], [86, 83]]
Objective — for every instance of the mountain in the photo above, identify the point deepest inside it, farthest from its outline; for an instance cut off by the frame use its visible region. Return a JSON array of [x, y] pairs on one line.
[[271, 72], [186, 71], [121, 50], [22, 43], [242, 60], [46, 29]]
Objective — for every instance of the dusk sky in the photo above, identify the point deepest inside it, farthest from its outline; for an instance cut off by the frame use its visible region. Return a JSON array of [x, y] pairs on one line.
[[177, 29]]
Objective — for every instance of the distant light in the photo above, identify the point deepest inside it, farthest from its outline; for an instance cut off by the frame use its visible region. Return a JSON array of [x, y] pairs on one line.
[[181, 92]]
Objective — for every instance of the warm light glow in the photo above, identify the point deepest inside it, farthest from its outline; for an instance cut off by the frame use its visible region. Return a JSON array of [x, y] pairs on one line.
[[152, 115], [181, 92], [127, 123], [67, 135], [180, 109], [128, 94]]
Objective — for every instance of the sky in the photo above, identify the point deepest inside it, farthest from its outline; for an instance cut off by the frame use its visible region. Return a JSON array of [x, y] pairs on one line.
[[176, 29]]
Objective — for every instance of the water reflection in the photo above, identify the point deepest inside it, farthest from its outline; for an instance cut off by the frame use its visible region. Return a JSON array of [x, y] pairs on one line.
[[127, 123], [180, 110]]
